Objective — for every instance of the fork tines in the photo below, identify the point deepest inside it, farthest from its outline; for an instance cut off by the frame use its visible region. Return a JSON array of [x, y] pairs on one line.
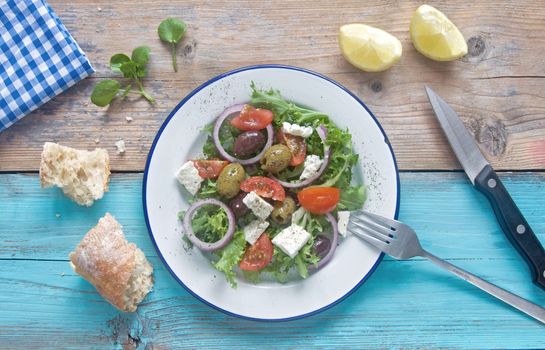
[[372, 225]]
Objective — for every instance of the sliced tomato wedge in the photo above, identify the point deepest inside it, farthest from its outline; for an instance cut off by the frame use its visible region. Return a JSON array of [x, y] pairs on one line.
[[297, 146], [252, 119], [264, 187], [319, 200], [210, 169], [258, 255]]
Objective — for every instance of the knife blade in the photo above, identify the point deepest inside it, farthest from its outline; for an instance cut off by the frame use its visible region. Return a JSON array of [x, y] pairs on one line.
[[485, 179]]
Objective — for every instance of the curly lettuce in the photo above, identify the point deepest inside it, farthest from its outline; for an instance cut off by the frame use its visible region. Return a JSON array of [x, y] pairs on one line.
[[230, 256], [210, 223], [352, 198]]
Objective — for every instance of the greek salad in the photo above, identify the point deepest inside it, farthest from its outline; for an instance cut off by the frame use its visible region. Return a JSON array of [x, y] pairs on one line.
[[272, 190]]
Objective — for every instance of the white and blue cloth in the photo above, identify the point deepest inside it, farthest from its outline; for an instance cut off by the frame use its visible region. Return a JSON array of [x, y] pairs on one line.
[[39, 59]]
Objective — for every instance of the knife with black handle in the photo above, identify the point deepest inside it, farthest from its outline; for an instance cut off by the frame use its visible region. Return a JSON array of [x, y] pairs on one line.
[[513, 224], [485, 179]]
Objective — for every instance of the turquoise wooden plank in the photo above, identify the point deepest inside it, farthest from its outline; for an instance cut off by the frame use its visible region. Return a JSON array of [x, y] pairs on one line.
[[44, 224], [404, 304], [448, 213]]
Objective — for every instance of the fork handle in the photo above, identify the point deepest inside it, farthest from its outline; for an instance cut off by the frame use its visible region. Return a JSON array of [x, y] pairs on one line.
[[515, 301]]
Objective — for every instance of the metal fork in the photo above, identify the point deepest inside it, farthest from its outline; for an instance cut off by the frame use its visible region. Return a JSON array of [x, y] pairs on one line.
[[400, 241]]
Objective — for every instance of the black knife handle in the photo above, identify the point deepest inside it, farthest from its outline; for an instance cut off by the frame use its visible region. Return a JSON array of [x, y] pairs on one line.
[[513, 224]]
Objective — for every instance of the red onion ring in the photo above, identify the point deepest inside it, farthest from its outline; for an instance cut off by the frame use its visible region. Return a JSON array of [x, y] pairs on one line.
[[322, 132], [216, 136], [334, 242], [208, 247]]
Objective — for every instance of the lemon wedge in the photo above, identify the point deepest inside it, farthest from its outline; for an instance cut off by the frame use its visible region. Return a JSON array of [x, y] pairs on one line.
[[369, 48], [435, 36]]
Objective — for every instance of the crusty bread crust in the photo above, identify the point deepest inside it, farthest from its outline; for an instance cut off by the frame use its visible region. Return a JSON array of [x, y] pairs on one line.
[[82, 175], [118, 269]]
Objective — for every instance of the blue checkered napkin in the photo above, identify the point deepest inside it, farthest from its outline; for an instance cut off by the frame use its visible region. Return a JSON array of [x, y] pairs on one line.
[[39, 59]]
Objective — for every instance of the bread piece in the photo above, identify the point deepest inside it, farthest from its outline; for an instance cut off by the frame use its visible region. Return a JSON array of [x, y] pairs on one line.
[[118, 269], [82, 175]]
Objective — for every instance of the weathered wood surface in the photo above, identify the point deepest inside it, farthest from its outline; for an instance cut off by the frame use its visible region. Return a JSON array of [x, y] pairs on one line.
[[499, 88], [405, 304]]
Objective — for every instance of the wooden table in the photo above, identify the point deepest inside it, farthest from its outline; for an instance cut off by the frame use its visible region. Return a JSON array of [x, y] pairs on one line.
[[498, 89]]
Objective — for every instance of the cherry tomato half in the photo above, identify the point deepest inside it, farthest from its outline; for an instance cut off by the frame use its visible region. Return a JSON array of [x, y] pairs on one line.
[[252, 119], [297, 146], [210, 169], [319, 200], [264, 187], [258, 255]]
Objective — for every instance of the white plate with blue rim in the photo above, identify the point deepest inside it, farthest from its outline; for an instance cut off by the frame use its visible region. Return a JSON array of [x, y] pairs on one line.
[[180, 138]]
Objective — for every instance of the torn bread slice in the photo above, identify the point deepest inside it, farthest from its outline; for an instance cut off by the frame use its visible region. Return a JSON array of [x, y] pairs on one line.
[[118, 269], [82, 175]]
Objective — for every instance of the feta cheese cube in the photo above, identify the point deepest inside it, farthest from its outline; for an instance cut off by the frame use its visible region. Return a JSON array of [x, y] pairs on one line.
[[297, 130], [291, 239], [188, 176], [342, 222], [312, 165], [258, 205], [254, 229]]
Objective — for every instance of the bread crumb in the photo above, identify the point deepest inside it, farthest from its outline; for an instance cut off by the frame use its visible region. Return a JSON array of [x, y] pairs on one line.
[[57, 215], [97, 140], [129, 119], [85, 103], [120, 144]]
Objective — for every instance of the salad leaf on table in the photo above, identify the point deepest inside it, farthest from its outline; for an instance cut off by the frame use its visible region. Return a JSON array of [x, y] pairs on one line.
[[172, 30], [132, 68], [140, 56], [104, 92], [117, 60]]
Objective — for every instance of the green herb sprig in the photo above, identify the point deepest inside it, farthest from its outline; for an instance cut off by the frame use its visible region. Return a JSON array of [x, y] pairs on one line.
[[133, 68], [172, 30]]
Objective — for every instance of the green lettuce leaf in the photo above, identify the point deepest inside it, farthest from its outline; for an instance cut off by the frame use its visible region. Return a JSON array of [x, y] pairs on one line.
[[227, 136], [210, 223], [209, 149], [352, 198], [230, 256], [208, 189], [281, 263]]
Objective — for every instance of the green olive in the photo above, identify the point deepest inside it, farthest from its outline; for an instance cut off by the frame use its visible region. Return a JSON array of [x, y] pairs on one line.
[[276, 159], [283, 210], [230, 179]]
